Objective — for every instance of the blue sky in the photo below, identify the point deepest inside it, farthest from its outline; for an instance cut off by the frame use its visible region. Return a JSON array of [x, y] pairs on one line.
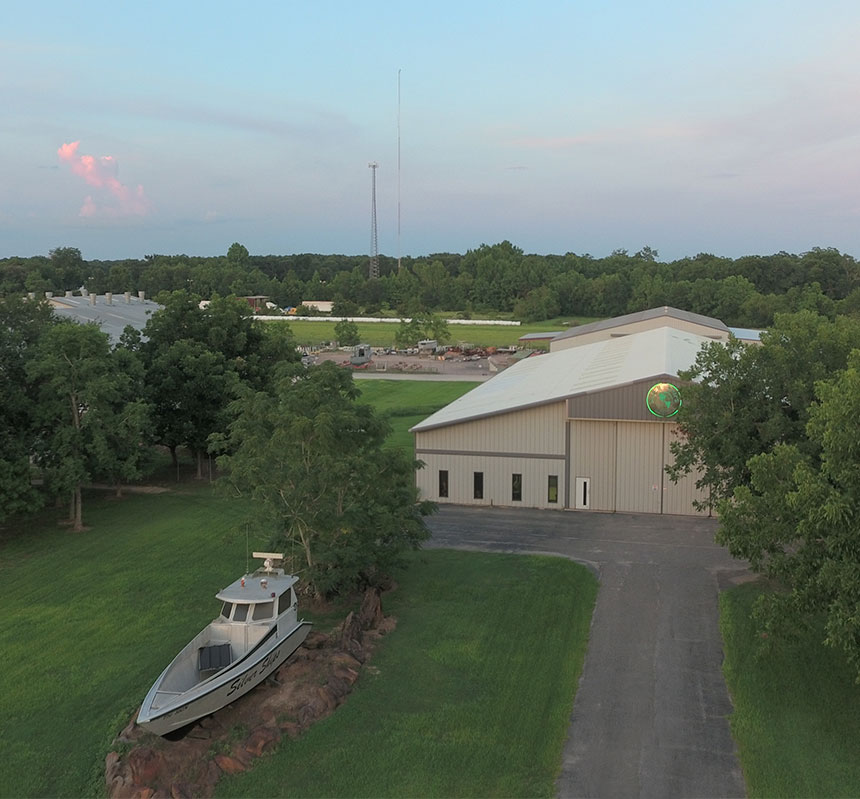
[[690, 127]]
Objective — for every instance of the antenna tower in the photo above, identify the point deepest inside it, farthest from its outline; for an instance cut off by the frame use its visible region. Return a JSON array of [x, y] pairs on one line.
[[374, 245]]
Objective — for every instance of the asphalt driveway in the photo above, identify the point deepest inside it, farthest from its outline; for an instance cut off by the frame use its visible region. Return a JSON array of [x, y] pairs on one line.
[[650, 716]]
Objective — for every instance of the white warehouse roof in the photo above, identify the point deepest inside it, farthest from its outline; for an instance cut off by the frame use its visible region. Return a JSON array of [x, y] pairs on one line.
[[566, 373]]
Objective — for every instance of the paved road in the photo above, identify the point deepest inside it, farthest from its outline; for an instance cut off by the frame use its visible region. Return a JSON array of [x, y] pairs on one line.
[[649, 718]]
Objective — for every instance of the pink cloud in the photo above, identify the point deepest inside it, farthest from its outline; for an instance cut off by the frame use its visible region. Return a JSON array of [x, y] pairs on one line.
[[101, 173]]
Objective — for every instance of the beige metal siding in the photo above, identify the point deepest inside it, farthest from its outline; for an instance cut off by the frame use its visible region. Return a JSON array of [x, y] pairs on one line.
[[497, 479], [592, 455], [624, 402], [678, 497], [640, 467], [637, 327], [538, 430]]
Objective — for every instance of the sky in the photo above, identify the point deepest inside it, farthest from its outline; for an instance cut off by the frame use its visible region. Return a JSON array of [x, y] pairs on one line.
[[579, 126]]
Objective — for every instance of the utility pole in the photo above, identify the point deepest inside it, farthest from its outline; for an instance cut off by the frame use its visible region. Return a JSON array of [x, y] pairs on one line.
[[374, 245]]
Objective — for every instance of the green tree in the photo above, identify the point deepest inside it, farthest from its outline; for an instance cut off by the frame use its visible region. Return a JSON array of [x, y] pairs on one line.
[[539, 304], [742, 400], [408, 333], [237, 255], [346, 333], [22, 324], [796, 521], [312, 459], [83, 396], [215, 348], [189, 388], [69, 269]]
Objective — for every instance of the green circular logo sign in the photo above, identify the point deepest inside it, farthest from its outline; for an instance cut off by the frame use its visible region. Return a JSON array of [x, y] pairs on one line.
[[663, 400]]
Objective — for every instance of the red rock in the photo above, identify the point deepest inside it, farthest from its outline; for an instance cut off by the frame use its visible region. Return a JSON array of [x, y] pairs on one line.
[[229, 765], [263, 739], [144, 765]]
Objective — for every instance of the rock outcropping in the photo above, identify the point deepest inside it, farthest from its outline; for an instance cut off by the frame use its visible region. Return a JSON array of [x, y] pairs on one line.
[[308, 687]]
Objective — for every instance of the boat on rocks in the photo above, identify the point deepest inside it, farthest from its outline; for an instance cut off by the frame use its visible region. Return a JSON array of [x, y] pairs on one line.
[[257, 630]]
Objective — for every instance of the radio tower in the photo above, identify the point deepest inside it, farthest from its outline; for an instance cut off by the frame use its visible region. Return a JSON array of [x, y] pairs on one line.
[[374, 246]]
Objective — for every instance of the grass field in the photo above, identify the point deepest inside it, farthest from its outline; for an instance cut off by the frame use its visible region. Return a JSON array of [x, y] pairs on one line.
[[90, 619], [470, 695], [407, 402], [381, 334], [797, 711]]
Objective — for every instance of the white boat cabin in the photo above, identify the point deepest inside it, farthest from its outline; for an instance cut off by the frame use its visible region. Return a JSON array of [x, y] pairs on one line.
[[253, 608]]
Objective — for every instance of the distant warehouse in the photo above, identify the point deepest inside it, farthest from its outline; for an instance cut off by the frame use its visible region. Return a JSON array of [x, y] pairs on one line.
[[585, 427]]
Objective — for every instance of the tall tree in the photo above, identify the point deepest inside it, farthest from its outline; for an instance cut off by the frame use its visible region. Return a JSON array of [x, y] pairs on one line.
[[796, 520], [744, 400], [195, 356], [22, 325], [81, 394], [312, 459]]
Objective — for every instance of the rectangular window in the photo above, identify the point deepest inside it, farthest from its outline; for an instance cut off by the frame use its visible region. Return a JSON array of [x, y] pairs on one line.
[[516, 487], [263, 610], [552, 489], [478, 492], [443, 482]]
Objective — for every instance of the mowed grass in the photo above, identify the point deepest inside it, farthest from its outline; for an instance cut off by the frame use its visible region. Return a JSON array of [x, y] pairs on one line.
[[90, 619], [470, 696], [407, 402], [797, 710], [381, 334]]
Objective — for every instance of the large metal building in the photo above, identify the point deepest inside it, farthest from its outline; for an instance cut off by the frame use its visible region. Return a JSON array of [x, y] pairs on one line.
[[586, 426]]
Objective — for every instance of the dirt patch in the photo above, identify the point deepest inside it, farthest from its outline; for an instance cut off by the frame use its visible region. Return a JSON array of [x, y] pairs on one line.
[[310, 686]]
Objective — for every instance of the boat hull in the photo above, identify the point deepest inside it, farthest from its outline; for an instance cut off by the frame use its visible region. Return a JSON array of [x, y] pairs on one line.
[[222, 689]]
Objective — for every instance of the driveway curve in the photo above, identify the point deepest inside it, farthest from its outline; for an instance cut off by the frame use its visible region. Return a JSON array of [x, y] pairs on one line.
[[650, 715]]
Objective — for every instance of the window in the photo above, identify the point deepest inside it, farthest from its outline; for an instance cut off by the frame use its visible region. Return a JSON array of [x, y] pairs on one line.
[[284, 601], [516, 487], [478, 485], [263, 610], [225, 609], [241, 613], [552, 489], [443, 482]]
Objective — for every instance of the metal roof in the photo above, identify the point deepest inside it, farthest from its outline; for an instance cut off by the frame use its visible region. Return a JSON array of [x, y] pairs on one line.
[[642, 316], [251, 588], [578, 370], [550, 334], [112, 319], [746, 333]]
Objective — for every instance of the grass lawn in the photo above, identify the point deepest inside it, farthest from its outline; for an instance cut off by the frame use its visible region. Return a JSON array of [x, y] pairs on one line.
[[407, 402], [470, 695], [797, 710], [381, 334], [90, 619]]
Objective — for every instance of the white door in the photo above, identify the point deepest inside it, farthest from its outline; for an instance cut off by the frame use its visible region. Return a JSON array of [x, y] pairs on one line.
[[582, 498]]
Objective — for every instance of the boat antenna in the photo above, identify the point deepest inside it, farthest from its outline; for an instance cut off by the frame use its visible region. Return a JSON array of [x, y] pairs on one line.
[[247, 558]]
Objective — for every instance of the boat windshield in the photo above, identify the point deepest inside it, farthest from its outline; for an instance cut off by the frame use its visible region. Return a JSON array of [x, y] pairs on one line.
[[263, 610], [225, 609], [241, 613]]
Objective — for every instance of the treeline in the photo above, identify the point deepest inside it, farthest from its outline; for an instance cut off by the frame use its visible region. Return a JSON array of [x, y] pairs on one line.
[[746, 291], [78, 410]]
